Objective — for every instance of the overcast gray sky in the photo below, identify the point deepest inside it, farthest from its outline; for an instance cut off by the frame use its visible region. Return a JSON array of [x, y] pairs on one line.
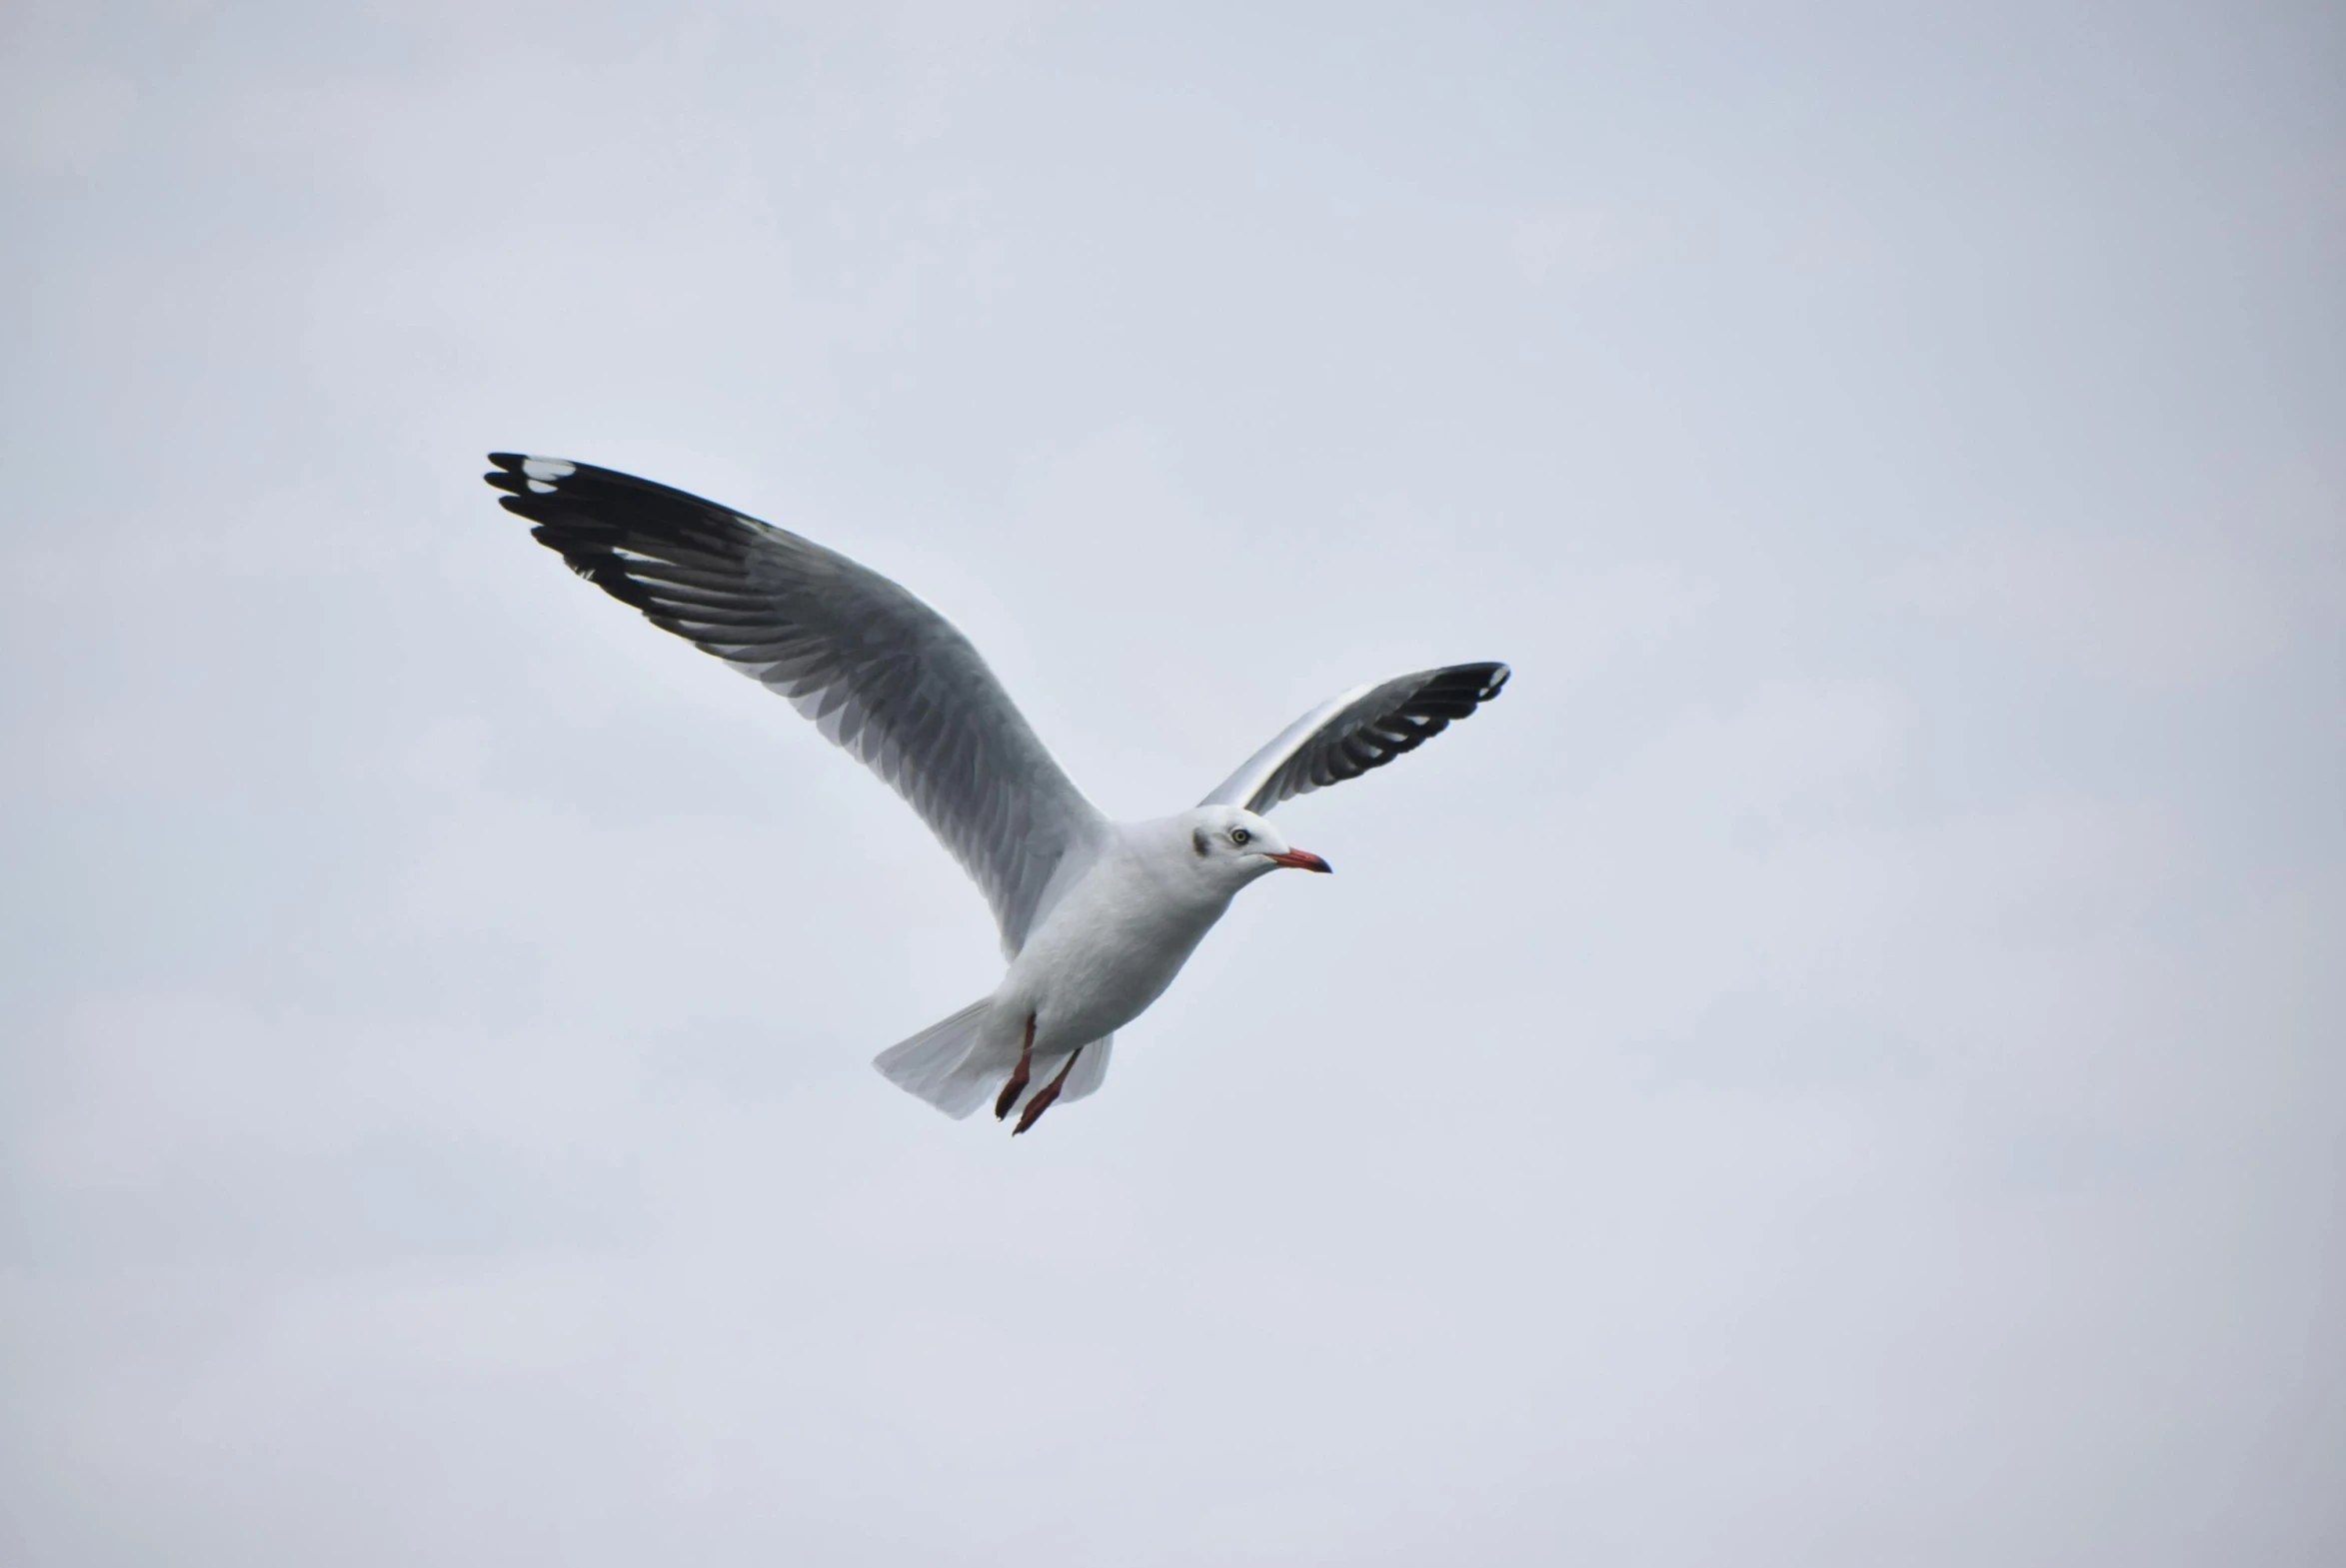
[[1839, 1067]]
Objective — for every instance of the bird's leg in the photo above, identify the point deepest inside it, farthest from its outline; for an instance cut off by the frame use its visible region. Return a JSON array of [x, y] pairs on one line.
[[1042, 1101], [1018, 1083]]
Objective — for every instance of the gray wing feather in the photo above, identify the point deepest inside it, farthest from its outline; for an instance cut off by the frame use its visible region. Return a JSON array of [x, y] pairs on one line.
[[1366, 727], [880, 673]]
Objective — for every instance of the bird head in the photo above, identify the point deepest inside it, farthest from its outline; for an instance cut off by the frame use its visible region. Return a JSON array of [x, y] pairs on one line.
[[1229, 841]]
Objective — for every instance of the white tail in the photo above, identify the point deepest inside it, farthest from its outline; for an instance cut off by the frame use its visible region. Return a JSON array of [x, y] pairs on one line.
[[948, 1064], [944, 1064]]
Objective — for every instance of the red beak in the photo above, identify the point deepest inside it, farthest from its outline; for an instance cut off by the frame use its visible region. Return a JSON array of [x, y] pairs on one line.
[[1301, 860]]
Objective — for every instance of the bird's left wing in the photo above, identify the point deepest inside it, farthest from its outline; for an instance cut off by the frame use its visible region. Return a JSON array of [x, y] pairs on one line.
[[1366, 727], [880, 673]]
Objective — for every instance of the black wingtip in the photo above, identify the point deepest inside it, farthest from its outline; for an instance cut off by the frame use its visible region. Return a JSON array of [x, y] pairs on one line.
[[528, 479]]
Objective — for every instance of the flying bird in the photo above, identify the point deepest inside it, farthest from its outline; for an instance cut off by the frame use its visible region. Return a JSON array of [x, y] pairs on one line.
[[1097, 916]]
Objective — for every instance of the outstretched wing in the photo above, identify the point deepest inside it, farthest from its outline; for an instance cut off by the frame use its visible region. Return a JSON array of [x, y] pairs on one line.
[[1366, 727], [880, 673]]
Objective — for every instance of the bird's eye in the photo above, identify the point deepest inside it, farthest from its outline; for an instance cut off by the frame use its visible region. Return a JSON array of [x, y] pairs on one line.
[[1240, 835]]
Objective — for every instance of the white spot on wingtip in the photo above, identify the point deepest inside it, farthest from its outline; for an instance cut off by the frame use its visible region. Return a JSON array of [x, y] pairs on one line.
[[547, 468], [541, 486]]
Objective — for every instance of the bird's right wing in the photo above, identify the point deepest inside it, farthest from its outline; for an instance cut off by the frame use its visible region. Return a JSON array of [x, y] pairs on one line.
[[880, 673], [1366, 727]]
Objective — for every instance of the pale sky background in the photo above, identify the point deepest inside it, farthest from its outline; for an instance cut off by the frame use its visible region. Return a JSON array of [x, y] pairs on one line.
[[1841, 1066]]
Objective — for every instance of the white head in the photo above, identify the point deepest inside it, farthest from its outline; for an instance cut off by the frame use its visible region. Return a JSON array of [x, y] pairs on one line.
[[1232, 844]]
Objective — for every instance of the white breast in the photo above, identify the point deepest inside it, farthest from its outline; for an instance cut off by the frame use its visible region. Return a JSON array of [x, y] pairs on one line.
[[1115, 942]]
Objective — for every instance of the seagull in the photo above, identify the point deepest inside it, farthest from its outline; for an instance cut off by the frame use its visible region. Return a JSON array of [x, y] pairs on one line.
[[1097, 916]]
